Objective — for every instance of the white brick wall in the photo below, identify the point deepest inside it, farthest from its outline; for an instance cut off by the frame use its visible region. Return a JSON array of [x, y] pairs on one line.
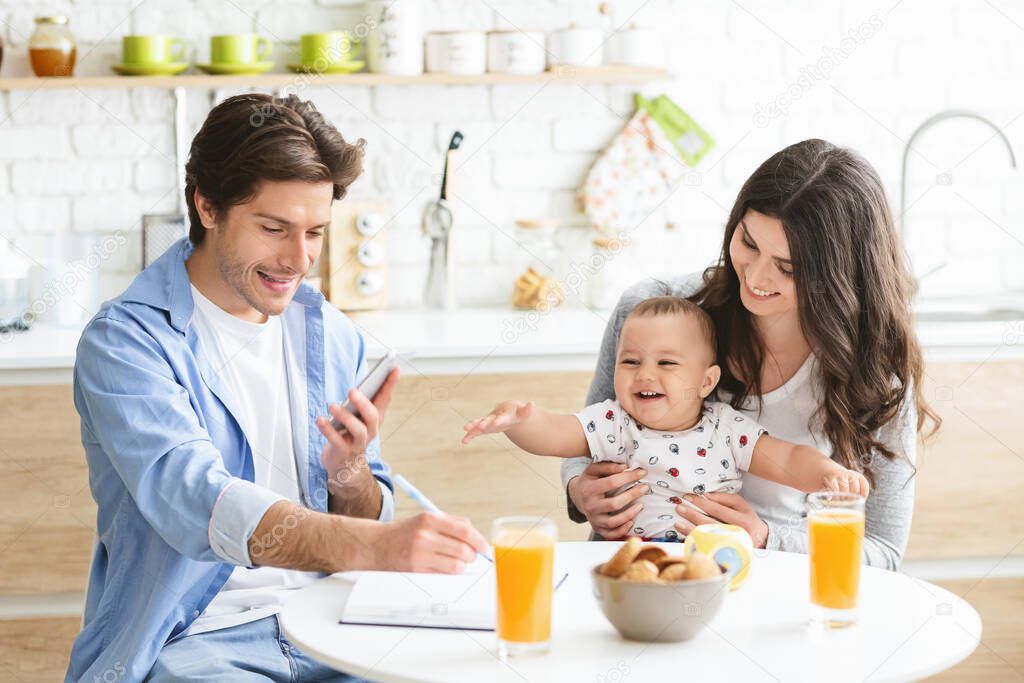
[[34, 142], [95, 161], [419, 103], [69, 177], [23, 216], [69, 106], [123, 141]]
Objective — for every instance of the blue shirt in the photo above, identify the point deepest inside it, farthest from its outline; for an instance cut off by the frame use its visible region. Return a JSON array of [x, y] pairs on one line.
[[170, 467]]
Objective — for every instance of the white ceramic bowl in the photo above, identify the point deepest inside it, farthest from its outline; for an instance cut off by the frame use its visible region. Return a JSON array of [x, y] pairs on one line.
[[659, 612]]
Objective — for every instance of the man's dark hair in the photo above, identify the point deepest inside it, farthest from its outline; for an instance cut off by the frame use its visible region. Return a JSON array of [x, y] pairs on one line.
[[254, 137]]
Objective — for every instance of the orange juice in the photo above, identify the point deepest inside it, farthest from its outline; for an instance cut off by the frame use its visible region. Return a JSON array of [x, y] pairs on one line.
[[524, 562], [835, 538]]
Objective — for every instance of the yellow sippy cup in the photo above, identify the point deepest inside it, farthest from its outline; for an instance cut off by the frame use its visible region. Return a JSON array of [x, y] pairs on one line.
[[727, 544]]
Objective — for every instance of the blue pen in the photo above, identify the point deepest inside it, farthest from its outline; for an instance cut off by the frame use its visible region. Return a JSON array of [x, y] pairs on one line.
[[424, 502]]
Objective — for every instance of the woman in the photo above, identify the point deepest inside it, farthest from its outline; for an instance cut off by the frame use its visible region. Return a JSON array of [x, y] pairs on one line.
[[811, 299]]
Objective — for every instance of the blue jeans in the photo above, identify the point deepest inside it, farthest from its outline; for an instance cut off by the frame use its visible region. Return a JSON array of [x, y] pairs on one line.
[[257, 651]]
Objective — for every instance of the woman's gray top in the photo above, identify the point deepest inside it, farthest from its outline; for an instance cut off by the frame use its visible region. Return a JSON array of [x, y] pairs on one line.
[[787, 414]]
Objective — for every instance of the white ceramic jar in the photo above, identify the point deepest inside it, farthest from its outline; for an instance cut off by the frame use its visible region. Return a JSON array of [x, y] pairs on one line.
[[575, 46], [637, 46], [516, 52], [14, 285], [457, 52], [611, 271], [395, 43]]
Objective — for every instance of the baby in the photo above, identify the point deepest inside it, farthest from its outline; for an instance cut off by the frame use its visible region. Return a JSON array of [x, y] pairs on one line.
[[664, 369]]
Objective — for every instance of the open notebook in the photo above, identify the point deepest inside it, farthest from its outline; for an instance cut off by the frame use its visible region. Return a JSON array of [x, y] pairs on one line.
[[457, 601]]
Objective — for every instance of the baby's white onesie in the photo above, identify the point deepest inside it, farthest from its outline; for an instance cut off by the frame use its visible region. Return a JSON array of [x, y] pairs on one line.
[[707, 458]]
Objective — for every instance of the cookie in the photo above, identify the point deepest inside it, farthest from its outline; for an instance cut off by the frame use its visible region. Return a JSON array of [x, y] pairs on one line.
[[674, 572], [623, 558], [668, 560], [652, 553], [700, 566], [641, 571]]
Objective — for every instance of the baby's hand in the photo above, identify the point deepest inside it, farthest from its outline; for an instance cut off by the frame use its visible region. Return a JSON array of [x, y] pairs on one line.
[[848, 481], [506, 415]]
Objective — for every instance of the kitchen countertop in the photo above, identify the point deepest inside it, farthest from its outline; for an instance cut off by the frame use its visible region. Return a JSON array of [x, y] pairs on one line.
[[445, 342], [483, 340]]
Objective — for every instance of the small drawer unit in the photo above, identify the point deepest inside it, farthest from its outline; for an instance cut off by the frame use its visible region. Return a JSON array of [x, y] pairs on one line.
[[353, 268]]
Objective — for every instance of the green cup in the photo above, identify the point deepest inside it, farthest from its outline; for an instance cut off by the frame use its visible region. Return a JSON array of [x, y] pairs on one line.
[[154, 49], [239, 48], [321, 50]]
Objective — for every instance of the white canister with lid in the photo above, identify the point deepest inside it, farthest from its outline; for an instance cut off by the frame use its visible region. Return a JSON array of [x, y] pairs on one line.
[[516, 52], [611, 269], [636, 46], [457, 52], [14, 285], [395, 43], [575, 46]]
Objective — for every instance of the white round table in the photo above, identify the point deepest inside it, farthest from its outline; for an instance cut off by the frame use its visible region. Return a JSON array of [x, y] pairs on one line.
[[908, 629]]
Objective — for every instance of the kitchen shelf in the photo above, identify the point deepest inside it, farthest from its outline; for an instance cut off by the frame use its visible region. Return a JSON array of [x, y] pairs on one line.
[[605, 74]]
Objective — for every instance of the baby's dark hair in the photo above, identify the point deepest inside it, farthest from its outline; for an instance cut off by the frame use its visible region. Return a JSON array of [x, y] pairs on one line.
[[676, 305]]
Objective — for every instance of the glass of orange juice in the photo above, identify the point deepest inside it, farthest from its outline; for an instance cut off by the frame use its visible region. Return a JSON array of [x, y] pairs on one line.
[[524, 556], [835, 531]]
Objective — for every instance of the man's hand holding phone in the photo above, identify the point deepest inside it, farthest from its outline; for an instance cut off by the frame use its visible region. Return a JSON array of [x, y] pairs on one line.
[[426, 542], [344, 454]]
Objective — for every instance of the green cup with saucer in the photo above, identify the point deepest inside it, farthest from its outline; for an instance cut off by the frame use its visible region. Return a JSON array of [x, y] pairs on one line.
[[151, 55], [330, 52], [239, 53]]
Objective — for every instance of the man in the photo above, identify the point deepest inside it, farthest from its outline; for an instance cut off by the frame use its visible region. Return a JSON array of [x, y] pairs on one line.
[[202, 392]]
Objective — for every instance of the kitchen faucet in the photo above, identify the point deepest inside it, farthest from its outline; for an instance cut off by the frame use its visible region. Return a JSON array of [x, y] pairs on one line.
[[931, 121]]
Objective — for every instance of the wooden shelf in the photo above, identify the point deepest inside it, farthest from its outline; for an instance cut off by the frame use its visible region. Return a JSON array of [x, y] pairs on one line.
[[606, 74]]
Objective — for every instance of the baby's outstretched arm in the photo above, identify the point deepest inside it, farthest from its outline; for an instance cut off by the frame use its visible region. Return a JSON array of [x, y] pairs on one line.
[[532, 429], [803, 468]]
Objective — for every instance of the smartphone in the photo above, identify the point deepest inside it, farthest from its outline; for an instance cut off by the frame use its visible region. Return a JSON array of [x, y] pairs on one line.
[[373, 381]]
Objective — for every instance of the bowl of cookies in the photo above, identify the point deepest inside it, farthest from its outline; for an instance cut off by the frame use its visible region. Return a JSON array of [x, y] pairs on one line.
[[651, 595]]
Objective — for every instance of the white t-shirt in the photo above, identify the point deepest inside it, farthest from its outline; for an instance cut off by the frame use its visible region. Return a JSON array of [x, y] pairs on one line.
[[249, 358], [789, 412], [707, 458]]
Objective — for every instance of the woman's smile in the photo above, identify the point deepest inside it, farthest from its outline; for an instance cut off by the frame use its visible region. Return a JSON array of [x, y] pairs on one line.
[[758, 292]]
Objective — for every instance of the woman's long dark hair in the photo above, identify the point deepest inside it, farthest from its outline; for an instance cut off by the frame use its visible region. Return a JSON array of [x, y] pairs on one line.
[[853, 290]]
